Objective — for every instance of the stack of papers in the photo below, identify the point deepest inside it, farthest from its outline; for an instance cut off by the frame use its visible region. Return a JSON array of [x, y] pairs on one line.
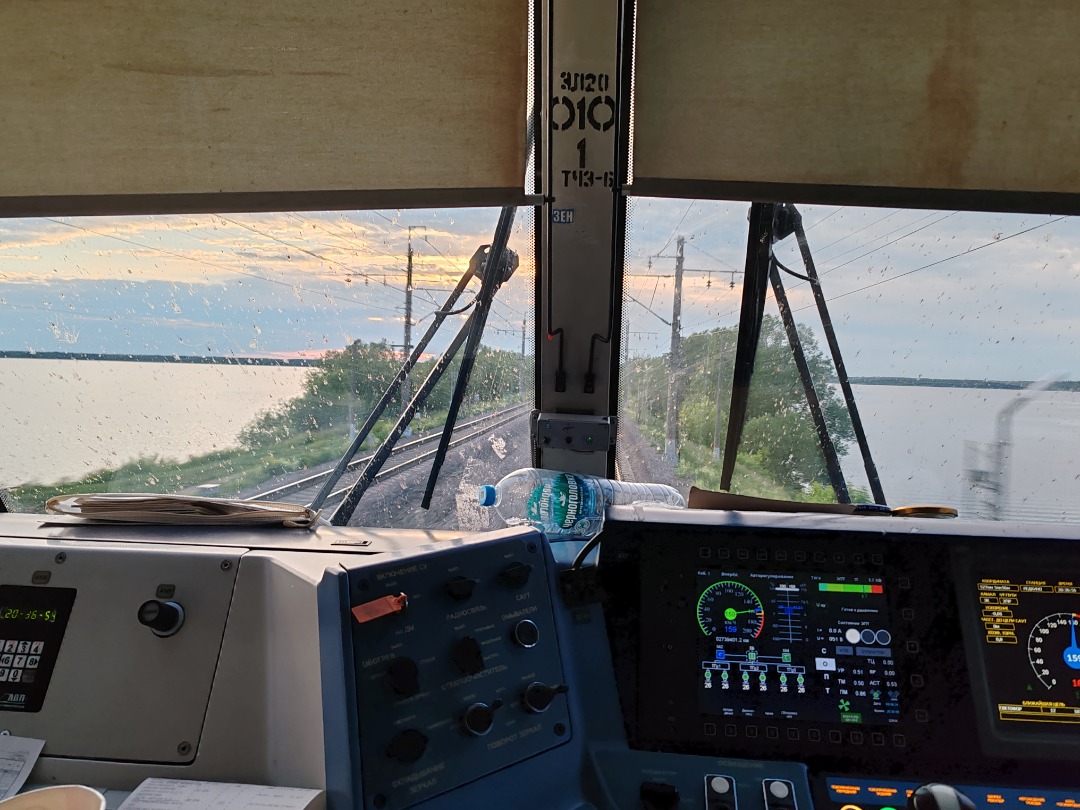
[[180, 794], [181, 510]]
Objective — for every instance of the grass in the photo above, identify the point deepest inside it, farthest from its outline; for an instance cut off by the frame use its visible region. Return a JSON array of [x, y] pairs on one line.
[[232, 470]]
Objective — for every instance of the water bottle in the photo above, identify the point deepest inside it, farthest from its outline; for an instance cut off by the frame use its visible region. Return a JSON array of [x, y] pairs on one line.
[[567, 506]]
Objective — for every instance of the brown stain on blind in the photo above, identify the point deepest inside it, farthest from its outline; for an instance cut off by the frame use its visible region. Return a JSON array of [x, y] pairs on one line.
[[950, 123]]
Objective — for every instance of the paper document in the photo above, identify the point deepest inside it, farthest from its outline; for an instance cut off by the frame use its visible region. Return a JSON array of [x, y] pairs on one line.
[[180, 794], [17, 758]]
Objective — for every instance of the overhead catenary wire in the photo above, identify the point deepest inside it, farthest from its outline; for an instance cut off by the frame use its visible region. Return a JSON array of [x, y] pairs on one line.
[[225, 268], [424, 238], [827, 217], [887, 244], [314, 255], [924, 267], [675, 230], [947, 259]]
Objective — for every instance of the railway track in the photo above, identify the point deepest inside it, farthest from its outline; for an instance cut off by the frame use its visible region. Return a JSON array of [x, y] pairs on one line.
[[406, 456]]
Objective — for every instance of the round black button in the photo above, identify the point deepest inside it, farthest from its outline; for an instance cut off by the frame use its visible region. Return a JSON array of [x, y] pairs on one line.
[[479, 718], [526, 633]]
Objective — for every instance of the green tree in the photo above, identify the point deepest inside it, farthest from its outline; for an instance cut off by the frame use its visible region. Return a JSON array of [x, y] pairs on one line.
[[357, 377], [779, 436]]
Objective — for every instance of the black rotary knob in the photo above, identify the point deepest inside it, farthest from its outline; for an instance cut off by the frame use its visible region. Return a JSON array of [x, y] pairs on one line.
[[460, 589], [468, 656], [163, 618], [479, 718], [936, 796], [515, 575], [407, 746], [404, 677], [537, 697]]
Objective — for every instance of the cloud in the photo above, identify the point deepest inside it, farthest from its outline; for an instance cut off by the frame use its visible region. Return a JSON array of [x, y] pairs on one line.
[[184, 285], [910, 292]]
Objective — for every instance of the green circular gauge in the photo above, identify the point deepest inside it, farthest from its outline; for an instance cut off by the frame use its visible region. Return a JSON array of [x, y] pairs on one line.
[[729, 608]]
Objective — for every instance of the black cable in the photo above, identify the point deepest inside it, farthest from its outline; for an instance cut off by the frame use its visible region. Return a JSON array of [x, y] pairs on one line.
[[949, 258], [579, 560], [788, 270], [311, 253], [676, 228]]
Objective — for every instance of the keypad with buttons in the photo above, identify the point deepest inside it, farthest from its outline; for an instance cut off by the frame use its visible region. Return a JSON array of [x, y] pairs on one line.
[[33, 621]]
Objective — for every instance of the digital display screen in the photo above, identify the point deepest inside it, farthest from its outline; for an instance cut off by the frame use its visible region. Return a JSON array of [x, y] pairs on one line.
[[796, 646], [1029, 630], [32, 625], [27, 614]]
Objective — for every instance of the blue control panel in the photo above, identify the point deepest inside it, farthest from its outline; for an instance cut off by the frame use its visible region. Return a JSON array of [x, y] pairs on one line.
[[717, 667], [457, 666]]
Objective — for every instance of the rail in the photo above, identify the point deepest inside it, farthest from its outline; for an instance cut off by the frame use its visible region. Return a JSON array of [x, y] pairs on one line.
[[465, 432]]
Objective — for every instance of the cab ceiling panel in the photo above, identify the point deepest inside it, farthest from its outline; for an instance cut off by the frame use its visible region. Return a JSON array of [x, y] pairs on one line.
[[961, 96], [411, 102]]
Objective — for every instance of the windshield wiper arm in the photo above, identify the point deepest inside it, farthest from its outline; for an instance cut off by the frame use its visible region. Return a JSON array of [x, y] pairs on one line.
[[751, 315], [344, 511], [493, 279], [441, 314], [872, 477]]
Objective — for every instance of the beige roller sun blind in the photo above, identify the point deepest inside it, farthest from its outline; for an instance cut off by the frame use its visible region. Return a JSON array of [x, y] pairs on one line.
[[922, 94], [196, 97]]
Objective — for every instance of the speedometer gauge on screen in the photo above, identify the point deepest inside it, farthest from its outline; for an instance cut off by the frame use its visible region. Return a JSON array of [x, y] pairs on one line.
[[1030, 628]]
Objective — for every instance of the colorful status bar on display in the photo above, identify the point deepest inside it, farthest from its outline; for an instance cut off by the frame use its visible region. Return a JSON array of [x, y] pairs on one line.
[[848, 587]]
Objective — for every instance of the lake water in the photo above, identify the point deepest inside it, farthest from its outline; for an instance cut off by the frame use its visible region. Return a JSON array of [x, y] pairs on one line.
[[918, 435], [65, 418]]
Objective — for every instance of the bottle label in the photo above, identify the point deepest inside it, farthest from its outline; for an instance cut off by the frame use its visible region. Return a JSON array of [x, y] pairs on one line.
[[561, 502]]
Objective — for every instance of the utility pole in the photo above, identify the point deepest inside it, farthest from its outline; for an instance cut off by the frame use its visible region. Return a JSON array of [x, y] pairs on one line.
[[521, 366], [352, 390], [719, 399], [671, 419], [406, 387]]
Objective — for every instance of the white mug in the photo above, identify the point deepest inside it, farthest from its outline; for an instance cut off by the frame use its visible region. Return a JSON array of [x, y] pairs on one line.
[[60, 797]]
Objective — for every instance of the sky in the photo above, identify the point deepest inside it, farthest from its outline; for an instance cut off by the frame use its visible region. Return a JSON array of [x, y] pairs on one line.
[[911, 292], [282, 284]]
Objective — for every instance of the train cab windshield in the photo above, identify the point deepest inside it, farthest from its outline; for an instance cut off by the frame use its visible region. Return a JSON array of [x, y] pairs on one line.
[[240, 355], [540, 405]]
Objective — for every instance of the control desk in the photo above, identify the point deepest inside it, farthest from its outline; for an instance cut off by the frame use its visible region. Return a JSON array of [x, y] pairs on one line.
[[721, 661]]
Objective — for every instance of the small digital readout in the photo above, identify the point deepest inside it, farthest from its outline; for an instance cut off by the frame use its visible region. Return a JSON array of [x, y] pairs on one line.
[[32, 625], [796, 646]]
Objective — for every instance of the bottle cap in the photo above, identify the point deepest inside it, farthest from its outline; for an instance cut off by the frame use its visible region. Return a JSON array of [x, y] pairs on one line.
[[487, 495]]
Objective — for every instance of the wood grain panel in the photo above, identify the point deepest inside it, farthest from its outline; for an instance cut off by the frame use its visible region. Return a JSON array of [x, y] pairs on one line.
[[922, 94], [127, 97]]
